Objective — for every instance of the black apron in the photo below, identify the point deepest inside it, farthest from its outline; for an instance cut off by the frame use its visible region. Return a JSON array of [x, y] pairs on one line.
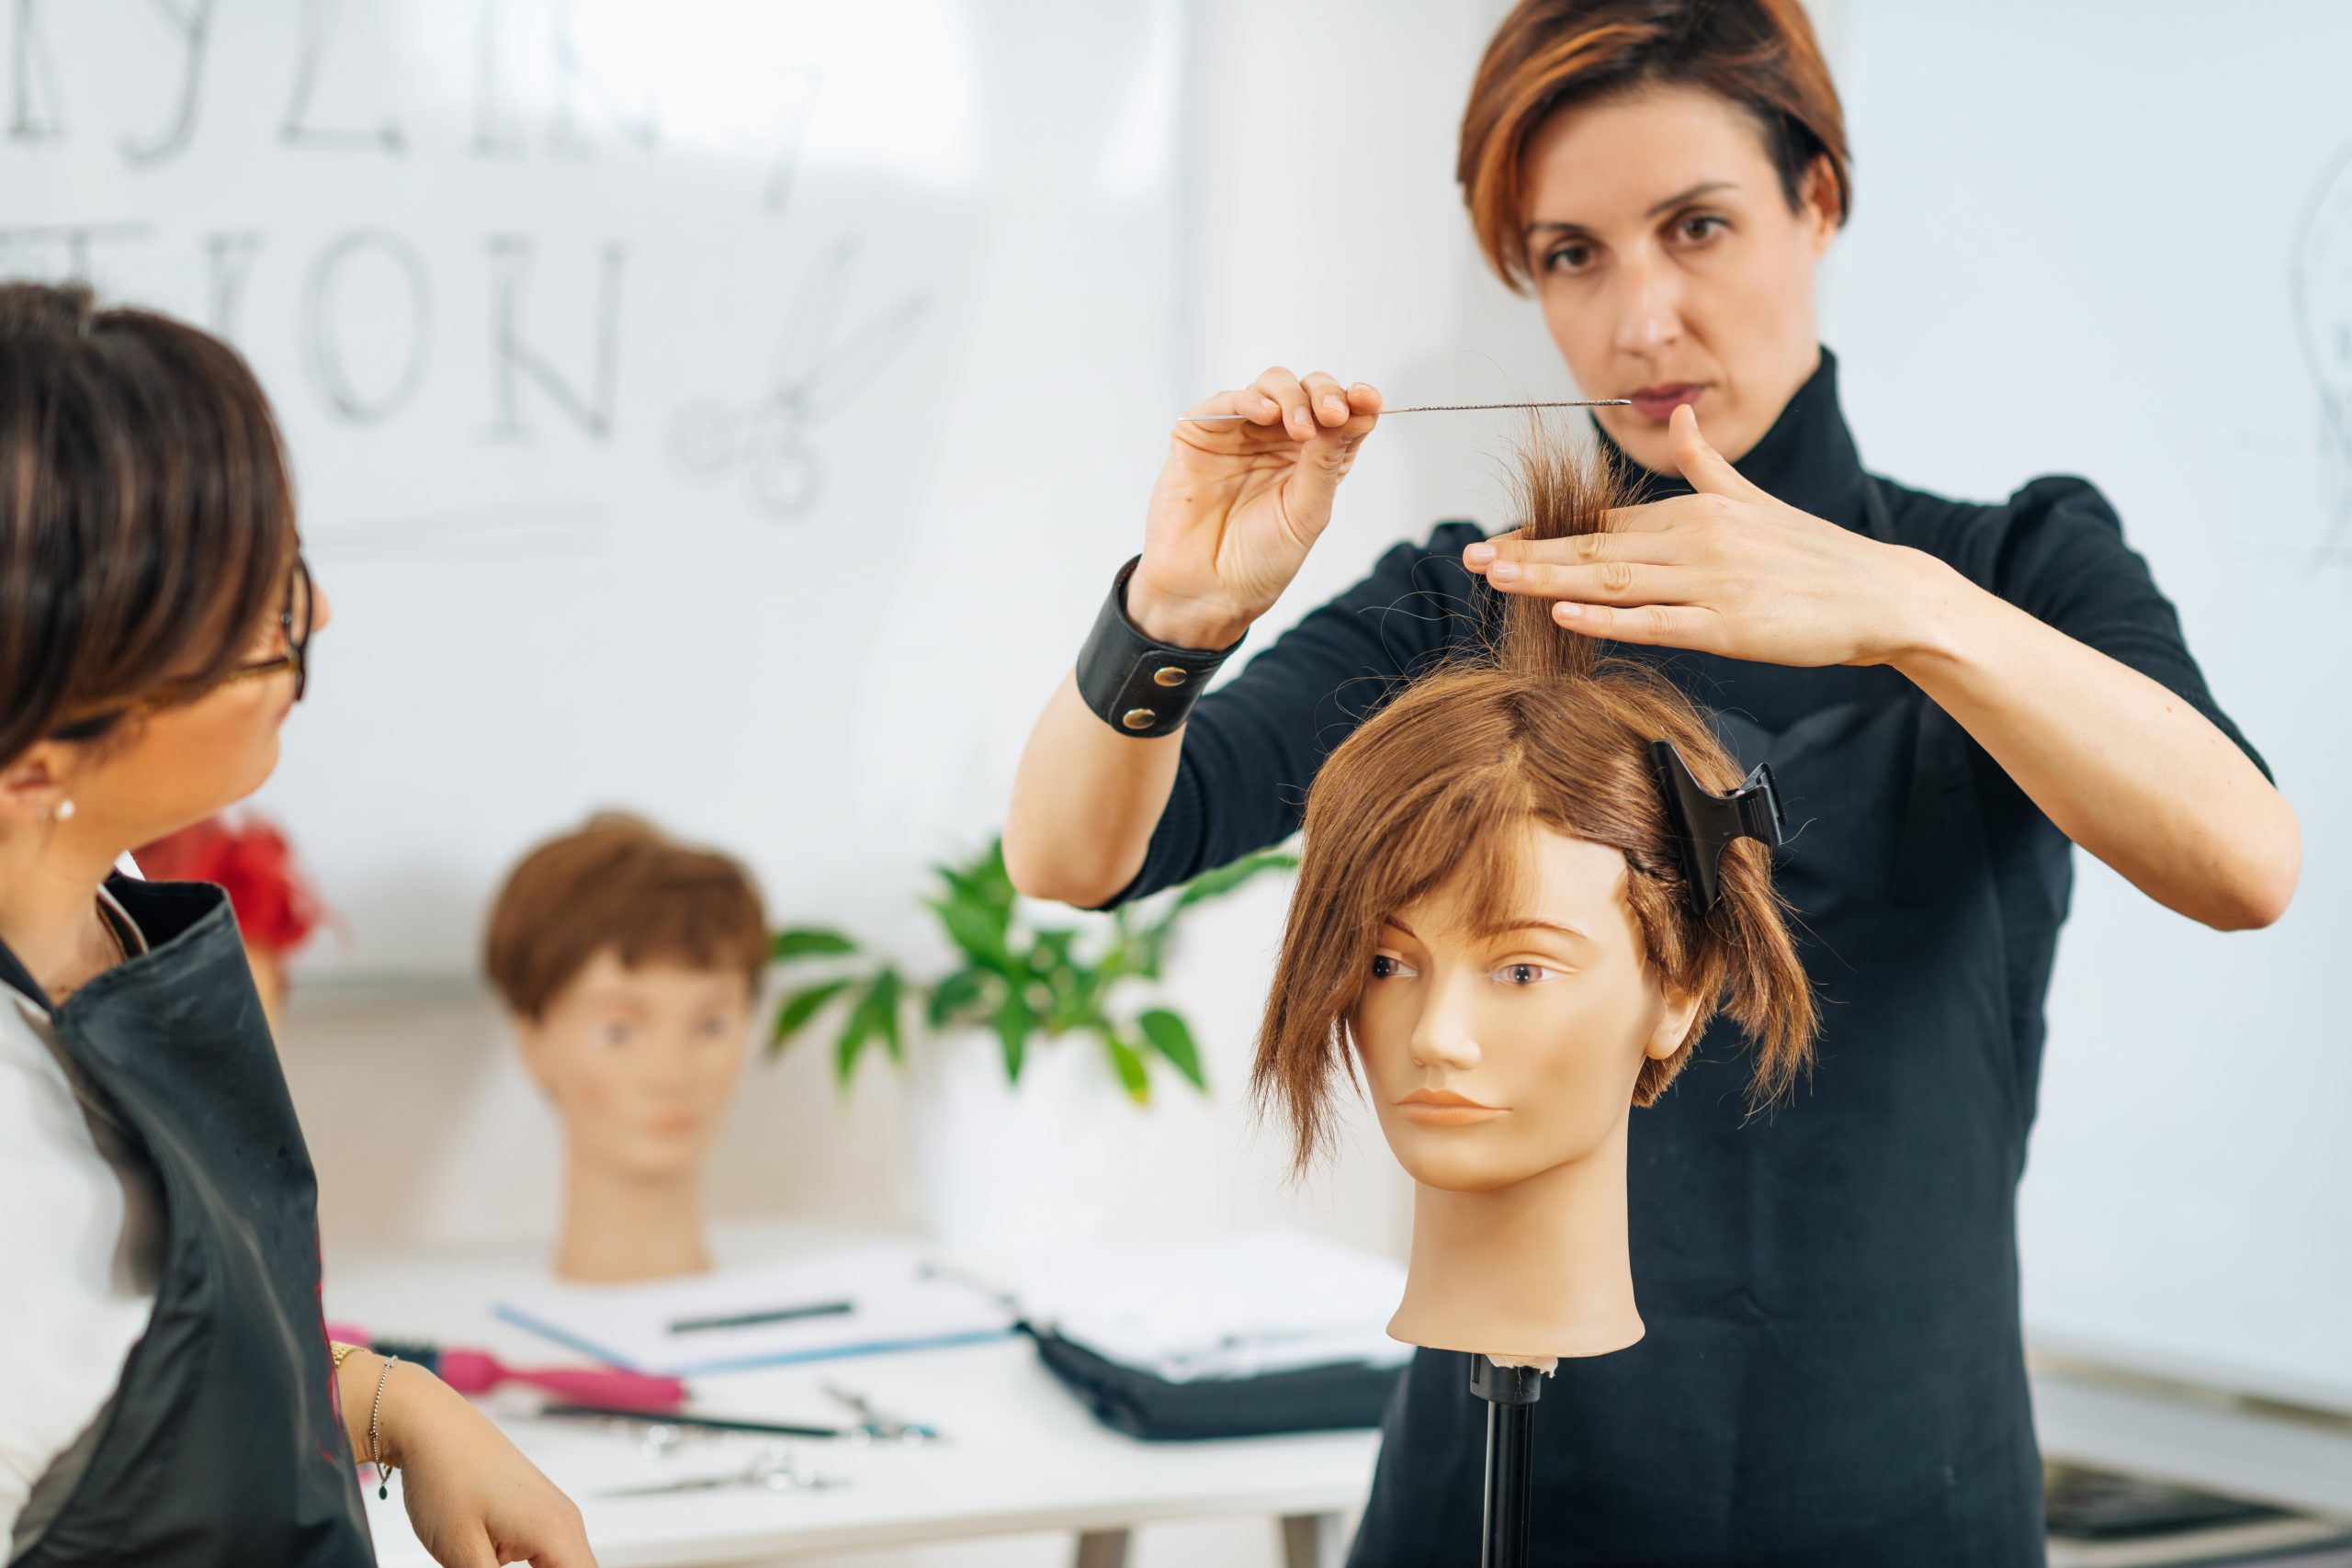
[[1834, 1372], [221, 1444]]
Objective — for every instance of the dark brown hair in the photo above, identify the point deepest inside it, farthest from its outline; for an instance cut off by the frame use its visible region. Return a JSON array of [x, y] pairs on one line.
[[146, 510], [620, 883], [1550, 54], [1443, 782]]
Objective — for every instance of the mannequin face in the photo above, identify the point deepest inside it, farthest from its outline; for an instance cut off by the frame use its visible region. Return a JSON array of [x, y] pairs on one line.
[[1529, 1038], [641, 1063]]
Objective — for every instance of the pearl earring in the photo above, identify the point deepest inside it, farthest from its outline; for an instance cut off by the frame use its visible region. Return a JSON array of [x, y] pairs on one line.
[[62, 812]]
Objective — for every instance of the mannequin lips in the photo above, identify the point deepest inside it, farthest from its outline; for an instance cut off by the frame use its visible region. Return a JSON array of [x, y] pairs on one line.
[[1444, 1108]]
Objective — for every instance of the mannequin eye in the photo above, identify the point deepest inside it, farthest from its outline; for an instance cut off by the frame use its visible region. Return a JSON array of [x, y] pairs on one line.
[[1522, 974], [1388, 967]]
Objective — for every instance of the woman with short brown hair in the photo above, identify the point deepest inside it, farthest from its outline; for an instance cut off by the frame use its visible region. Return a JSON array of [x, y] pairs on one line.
[[1950, 695]]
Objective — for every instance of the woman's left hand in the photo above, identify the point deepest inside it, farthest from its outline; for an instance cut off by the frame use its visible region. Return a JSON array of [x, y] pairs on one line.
[[472, 1498], [1726, 570]]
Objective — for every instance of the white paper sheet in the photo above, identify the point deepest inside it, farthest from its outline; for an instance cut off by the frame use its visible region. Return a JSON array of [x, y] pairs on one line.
[[1220, 1306], [896, 1304]]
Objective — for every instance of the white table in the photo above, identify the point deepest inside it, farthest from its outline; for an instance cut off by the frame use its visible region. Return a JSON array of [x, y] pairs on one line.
[[2140, 1423], [1021, 1456]]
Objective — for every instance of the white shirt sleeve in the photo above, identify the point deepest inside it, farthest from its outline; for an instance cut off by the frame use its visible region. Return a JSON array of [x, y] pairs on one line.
[[81, 1229]]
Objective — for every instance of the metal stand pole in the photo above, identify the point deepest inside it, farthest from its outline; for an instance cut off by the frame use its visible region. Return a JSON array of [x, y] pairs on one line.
[[1510, 1393]]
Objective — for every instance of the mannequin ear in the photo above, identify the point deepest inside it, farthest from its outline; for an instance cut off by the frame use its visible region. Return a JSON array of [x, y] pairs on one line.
[[537, 1050], [1676, 1015]]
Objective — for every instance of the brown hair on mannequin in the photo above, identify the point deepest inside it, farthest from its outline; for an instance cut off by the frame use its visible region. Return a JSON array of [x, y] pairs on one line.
[[620, 883], [1539, 729]]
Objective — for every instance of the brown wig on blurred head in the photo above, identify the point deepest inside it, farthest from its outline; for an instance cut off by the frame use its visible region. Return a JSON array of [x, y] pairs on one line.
[[1444, 782], [622, 885]]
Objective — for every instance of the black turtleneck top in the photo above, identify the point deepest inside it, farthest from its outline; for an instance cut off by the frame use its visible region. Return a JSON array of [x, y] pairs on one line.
[[1834, 1370]]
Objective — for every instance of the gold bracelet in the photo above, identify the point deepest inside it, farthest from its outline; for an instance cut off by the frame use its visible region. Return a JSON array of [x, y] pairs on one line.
[[341, 1352], [375, 1440]]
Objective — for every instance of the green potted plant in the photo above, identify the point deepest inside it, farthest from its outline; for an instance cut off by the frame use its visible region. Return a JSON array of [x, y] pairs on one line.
[[1003, 1100]]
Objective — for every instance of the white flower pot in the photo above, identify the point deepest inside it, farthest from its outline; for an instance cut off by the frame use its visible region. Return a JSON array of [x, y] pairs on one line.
[[1004, 1169]]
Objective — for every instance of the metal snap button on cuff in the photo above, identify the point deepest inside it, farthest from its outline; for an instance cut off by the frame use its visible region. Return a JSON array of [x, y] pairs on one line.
[[1137, 718]]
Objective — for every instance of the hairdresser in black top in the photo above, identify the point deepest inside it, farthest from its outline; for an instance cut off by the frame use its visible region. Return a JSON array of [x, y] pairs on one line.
[[1949, 693], [167, 1393]]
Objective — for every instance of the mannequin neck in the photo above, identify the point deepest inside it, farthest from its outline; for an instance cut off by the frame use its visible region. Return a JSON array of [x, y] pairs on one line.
[[1537, 1268], [621, 1225]]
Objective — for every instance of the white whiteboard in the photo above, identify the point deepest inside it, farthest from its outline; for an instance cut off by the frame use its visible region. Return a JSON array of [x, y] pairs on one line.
[[2116, 240], [682, 395]]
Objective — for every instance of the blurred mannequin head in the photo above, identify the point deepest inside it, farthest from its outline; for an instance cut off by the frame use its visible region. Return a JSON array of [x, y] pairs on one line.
[[629, 965]]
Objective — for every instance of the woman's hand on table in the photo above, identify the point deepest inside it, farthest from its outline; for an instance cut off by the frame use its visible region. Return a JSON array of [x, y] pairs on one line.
[[1725, 569], [472, 1498], [1240, 501]]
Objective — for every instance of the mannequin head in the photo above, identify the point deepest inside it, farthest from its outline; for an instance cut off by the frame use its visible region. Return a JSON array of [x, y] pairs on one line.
[[629, 965], [1494, 925], [1486, 805]]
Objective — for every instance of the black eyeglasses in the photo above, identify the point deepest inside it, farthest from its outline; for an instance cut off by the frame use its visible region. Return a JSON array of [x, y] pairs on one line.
[[294, 626]]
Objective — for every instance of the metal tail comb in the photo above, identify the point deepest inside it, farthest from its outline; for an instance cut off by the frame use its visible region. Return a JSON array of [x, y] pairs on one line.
[[1441, 408]]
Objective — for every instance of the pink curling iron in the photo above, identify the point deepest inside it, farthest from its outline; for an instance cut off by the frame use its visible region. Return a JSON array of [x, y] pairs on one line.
[[478, 1371]]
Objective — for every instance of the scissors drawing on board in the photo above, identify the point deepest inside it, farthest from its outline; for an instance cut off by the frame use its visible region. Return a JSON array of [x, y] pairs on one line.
[[818, 367], [2319, 283]]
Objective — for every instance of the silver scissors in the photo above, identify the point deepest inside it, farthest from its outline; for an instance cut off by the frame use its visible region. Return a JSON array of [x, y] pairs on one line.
[[873, 1425], [774, 1470]]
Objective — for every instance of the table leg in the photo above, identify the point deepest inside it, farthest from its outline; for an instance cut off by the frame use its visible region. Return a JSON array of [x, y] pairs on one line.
[[1313, 1541], [1102, 1549]]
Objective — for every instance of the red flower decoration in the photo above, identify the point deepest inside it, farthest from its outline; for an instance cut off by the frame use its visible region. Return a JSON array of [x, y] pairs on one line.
[[276, 911]]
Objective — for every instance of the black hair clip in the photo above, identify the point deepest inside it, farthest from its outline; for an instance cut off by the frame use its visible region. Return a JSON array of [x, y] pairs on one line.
[[1704, 822]]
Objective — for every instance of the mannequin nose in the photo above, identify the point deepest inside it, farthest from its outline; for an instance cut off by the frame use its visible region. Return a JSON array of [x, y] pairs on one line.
[[1443, 1036], [670, 1072]]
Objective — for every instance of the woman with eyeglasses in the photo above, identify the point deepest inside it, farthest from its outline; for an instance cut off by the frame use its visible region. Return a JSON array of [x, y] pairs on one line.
[[167, 1394]]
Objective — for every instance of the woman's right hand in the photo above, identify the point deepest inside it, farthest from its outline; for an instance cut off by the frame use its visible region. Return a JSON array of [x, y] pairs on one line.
[[1240, 501]]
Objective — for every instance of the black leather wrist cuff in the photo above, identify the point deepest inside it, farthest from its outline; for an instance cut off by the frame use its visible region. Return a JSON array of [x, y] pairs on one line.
[[1138, 686]]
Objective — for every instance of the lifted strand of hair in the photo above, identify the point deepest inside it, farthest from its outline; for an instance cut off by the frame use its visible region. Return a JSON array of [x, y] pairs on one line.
[[1561, 487]]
